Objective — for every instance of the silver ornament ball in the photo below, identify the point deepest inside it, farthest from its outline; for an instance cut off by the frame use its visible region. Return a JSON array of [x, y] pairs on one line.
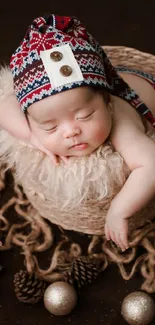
[[60, 298], [138, 308]]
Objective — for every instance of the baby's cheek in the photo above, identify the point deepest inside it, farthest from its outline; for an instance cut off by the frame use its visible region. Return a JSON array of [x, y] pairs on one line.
[[52, 146], [98, 134], [48, 142], [102, 129], [55, 146]]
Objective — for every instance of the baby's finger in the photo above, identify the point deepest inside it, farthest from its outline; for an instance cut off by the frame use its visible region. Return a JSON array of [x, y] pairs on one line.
[[115, 238], [107, 234], [120, 243], [54, 159], [124, 240], [65, 159], [52, 156]]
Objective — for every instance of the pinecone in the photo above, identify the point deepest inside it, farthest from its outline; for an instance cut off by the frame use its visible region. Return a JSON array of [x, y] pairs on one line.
[[28, 288], [83, 271]]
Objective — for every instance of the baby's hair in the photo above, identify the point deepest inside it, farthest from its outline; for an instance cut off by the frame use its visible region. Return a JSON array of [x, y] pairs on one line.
[[103, 92]]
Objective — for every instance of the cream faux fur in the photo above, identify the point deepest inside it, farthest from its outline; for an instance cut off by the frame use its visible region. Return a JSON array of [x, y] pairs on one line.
[[75, 197]]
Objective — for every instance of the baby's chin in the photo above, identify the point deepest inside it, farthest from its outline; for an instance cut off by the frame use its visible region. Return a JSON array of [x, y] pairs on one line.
[[82, 152]]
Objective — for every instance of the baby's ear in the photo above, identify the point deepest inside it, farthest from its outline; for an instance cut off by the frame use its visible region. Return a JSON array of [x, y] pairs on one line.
[[106, 97], [105, 94], [27, 116], [110, 108]]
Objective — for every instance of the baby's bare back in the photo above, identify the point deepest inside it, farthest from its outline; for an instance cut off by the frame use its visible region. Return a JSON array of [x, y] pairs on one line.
[[146, 93], [128, 135]]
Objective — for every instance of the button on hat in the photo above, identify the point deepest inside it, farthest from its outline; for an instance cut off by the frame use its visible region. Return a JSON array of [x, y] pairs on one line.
[[66, 70], [56, 56]]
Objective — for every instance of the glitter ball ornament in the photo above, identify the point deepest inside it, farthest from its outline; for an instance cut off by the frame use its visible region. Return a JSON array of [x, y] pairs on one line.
[[60, 298], [138, 308]]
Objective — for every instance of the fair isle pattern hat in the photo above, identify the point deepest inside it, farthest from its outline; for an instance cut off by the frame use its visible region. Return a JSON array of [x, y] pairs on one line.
[[57, 54]]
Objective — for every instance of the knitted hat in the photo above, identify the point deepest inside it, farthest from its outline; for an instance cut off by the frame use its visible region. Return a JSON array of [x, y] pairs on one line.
[[57, 54]]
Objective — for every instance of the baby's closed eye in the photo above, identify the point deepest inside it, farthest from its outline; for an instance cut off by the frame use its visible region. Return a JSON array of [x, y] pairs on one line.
[[85, 116], [51, 128]]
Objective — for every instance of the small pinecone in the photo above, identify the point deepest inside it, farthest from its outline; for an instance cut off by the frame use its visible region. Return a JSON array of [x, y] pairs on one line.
[[28, 288], [83, 271]]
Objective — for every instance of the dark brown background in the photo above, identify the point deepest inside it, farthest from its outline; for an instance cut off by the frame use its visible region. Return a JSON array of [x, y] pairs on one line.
[[129, 23]]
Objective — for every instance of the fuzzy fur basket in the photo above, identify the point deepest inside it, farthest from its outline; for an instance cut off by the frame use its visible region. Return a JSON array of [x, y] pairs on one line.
[[75, 197]]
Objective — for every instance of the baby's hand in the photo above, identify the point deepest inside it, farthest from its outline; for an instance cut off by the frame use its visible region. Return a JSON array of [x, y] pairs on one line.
[[116, 229], [55, 159]]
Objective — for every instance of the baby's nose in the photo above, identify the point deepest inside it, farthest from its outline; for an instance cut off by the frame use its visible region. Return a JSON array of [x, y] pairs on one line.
[[71, 131]]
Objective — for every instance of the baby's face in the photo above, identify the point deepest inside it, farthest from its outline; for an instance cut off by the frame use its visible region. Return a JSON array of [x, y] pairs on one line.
[[72, 123]]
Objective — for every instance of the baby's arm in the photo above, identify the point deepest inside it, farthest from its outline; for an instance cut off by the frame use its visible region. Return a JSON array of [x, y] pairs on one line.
[[13, 120], [138, 152]]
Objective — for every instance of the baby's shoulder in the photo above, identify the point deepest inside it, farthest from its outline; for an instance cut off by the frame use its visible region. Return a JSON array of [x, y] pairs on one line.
[[125, 112], [126, 124], [128, 134], [125, 117], [128, 129]]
